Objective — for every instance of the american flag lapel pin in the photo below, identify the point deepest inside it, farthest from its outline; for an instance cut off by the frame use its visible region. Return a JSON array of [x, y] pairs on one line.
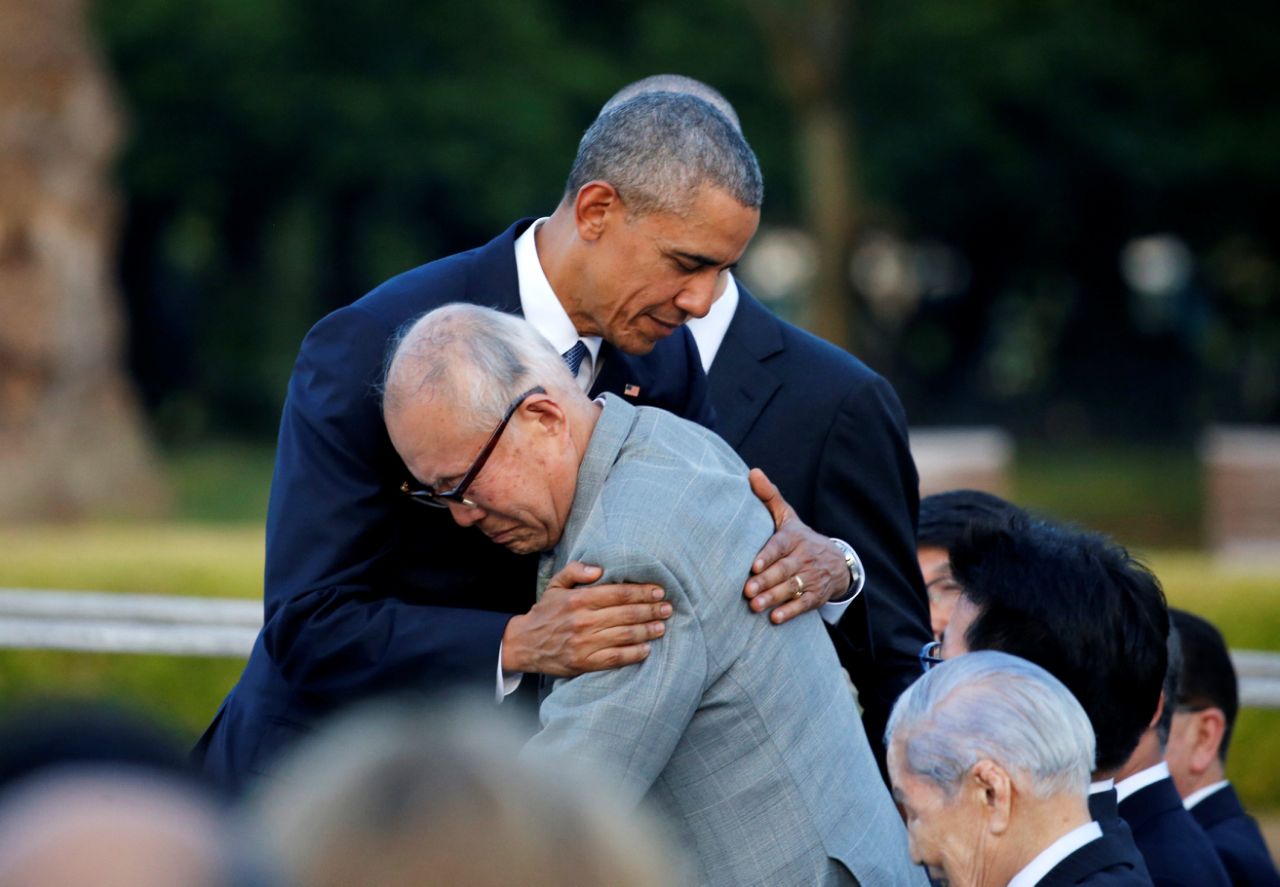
[[630, 390]]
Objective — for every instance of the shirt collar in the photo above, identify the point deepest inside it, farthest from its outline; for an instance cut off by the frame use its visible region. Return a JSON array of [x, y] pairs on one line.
[[1141, 780], [1055, 853], [538, 301], [1200, 794], [1102, 785], [709, 331]]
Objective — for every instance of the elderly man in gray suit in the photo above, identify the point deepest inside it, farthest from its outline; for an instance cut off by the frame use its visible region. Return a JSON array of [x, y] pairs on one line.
[[742, 732]]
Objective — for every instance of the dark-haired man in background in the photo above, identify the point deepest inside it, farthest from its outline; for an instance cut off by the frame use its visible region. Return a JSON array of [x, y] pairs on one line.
[[1176, 849], [1199, 738], [1078, 605], [945, 518]]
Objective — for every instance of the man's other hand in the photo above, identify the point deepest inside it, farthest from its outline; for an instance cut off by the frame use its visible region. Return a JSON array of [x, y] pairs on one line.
[[793, 550], [577, 627]]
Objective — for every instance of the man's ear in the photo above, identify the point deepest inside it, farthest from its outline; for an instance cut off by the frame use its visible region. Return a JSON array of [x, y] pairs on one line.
[[546, 413], [993, 789], [1210, 728], [592, 206]]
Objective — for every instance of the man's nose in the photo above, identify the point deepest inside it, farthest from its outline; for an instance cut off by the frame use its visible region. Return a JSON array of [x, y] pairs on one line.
[[466, 513], [698, 294]]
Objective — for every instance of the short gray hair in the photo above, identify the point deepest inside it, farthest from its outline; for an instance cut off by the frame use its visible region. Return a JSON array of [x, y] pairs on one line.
[[991, 705], [659, 148], [476, 358], [680, 84]]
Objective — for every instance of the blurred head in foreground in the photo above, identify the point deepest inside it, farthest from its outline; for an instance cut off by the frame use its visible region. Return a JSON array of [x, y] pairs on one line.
[[990, 757], [104, 827], [1078, 605], [945, 518], [392, 795]]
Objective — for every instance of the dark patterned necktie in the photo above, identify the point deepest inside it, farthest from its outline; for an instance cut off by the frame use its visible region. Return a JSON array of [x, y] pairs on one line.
[[574, 356]]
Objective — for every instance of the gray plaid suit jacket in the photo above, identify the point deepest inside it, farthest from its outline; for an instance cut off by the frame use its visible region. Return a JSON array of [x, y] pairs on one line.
[[742, 732]]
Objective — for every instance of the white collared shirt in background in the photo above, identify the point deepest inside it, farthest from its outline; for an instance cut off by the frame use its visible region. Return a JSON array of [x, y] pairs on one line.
[[1055, 853], [1200, 794], [1141, 780], [709, 331]]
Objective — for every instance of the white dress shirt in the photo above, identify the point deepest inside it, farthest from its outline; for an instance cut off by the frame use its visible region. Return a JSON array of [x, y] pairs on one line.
[[1141, 780], [542, 309], [1055, 853], [709, 331], [1200, 794]]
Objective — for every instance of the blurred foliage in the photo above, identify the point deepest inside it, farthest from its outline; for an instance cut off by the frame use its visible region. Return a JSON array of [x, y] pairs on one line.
[[287, 156]]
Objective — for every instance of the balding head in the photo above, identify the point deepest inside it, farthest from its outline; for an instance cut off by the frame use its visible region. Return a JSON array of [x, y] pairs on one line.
[[490, 423], [78, 826]]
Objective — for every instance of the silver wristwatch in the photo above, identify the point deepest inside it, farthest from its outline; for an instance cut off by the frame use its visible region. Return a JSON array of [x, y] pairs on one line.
[[857, 576]]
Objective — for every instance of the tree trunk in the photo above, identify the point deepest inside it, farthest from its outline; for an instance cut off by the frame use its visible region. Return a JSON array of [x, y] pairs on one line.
[[808, 41], [71, 436]]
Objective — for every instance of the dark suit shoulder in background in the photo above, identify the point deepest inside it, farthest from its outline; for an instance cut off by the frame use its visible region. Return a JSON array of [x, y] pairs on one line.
[[1177, 852], [1237, 839], [833, 436]]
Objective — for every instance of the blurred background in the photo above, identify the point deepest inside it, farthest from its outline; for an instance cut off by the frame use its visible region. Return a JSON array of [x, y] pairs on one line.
[[1050, 225]]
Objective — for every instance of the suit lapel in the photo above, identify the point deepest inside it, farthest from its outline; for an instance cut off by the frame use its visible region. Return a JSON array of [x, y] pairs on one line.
[[741, 382], [492, 280]]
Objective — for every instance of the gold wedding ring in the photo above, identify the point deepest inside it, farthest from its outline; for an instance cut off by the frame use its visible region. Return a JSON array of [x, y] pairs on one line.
[[799, 585]]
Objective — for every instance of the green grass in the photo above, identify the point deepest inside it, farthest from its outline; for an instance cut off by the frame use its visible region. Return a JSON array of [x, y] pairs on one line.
[[1143, 496]]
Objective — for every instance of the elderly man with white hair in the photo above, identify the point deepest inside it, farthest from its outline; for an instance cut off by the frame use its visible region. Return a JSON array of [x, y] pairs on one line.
[[990, 758], [742, 732]]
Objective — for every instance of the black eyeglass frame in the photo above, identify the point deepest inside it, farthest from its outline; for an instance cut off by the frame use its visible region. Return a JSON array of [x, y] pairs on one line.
[[427, 496], [930, 655]]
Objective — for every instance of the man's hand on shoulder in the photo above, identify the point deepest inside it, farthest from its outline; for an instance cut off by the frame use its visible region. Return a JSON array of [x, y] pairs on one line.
[[798, 569], [577, 628]]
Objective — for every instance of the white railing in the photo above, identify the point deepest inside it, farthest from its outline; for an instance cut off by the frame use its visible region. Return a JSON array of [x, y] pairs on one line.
[[103, 622]]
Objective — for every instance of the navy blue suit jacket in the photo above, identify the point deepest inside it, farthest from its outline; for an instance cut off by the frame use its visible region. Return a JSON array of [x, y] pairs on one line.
[[1236, 837], [1105, 811], [366, 591], [1177, 851], [833, 436], [1110, 861]]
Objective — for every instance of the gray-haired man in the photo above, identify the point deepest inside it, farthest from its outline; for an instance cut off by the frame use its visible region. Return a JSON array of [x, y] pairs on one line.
[[990, 757], [741, 731], [368, 592]]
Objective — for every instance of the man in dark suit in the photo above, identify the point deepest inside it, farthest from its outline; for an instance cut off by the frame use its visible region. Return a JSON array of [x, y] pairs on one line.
[[832, 436], [1199, 737], [1177, 851], [990, 758], [1081, 607], [366, 590]]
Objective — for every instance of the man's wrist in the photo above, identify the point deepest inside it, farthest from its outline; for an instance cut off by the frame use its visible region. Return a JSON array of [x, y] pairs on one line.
[[853, 564], [509, 647]]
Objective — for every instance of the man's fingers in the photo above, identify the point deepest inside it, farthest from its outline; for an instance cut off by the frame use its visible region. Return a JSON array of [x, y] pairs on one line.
[[793, 609], [628, 635], [616, 657], [769, 494], [775, 583], [600, 597], [576, 573]]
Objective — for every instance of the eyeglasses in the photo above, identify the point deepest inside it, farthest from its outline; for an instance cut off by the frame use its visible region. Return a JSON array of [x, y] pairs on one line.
[[427, 496], [930, 655]]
